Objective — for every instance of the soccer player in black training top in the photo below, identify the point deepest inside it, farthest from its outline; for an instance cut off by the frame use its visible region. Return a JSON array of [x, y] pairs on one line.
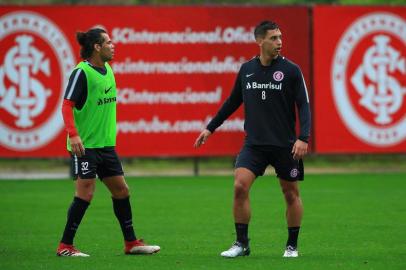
[[270, 86]]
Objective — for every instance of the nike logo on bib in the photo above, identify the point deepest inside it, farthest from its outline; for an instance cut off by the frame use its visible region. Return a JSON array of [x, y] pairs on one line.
[[107, 90], [249, 75]]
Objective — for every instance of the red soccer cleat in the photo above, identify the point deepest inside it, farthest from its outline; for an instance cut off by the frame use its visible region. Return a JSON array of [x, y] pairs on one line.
[[139, 247], [65, 250]]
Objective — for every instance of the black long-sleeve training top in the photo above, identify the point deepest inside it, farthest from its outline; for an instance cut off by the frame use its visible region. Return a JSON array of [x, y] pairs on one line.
[[269, 94]]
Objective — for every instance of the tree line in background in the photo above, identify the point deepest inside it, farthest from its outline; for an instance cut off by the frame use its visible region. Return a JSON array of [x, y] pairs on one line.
[[202, 2]]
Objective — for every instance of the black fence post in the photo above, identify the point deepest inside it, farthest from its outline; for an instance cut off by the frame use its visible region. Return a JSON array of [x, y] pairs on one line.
[[196, 166]]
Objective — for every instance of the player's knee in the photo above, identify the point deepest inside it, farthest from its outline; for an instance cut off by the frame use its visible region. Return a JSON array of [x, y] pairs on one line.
[[89, 196], [85, 191], [240, 189], [121, 192], [291, 195], [125, 191], [86, 196]]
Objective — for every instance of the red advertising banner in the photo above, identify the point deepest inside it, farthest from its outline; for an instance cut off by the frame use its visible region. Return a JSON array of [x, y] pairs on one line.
[[174, 67], [359, 79]]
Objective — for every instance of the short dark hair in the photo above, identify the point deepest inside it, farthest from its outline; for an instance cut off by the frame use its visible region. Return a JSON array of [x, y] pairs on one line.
[[87, 40], [263, 27]]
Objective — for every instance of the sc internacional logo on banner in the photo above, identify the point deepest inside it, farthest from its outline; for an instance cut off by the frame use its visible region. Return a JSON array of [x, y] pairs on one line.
[[368, 79], [36, 53]]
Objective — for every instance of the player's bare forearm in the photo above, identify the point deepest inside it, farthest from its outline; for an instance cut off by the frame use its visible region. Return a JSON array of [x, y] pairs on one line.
[[202, 138], [299, 149]]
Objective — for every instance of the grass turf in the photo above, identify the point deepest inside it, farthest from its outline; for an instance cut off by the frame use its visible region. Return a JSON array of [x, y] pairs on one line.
[[354, 221]]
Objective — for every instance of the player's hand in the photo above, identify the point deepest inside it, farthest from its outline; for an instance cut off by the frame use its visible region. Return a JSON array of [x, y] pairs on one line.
[[202, 138], [299, 149], [77, 146]]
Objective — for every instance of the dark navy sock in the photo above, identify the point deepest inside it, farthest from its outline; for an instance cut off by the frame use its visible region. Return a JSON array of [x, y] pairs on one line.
[[293, 233], [75, 214], [242, 233], [122, 210]]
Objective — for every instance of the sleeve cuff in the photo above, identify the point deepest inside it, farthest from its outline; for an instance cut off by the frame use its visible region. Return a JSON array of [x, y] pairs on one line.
[[304, 139]]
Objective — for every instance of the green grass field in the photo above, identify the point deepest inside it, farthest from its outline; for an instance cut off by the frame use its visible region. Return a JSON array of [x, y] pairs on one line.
[[354, 221]]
